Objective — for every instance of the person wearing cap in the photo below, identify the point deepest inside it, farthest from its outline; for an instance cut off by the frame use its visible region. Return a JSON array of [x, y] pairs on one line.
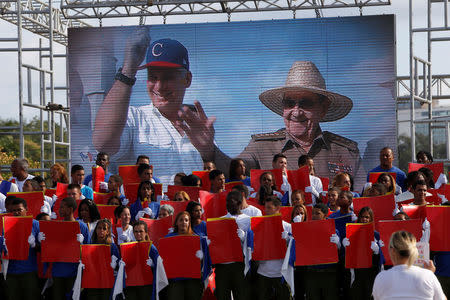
[[303, 103], [156, 129]]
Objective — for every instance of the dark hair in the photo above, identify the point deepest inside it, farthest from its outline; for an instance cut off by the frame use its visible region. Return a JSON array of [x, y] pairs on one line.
[[142, 223], [34, 184], [234, 201], [40, 216], [39, 179], [191, 205], [190, 180], [303, 159], [94, 238], [143, 167], [428, 176], [385, 174], [277, 156], [297, 206], [274, 185], [102, 154], [142, 157], [403, 214], [365, 209], [419, 182], [70, 202], [323, 208], [114, 197], [17, 201], [74, 186], [241, 188], [76, 168], [274, 199], [412, 177], [9, 200], [94, 214], [380, 188], [141, 185], [234, 164], [119, 209], [347, 194], [264, 192], [214, 173], [426, 153], [117, 179]]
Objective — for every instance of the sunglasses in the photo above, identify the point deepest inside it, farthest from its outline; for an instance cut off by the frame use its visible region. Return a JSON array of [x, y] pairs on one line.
[[301, 103]]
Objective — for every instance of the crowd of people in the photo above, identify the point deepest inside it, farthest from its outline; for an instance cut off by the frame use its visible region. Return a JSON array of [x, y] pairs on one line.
[[245, 279]]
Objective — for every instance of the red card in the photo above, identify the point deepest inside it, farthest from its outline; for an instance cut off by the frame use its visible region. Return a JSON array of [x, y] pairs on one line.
[[230, 185], [135, 255], [158, 229], [158, 190], [382, 206], [50, 192], [204, 176], [16, 231], [60, 235], [255, 174], [312, 243], [373, 176], [192, 191], [131, 192], [129, 174], [439, 218], [325, 182], [180, 264], [1, 218], [254, 202], [359, 254], [178, 206], [61, 190], [214, 205], [415, 211], [34, 200], [309, 212], [102, 198], [435, 199], [387, 228], [97, 273], [107, 212], [267, 231], [299, 180], [225, 244], [437, 168], [286, 212], [98, 175]]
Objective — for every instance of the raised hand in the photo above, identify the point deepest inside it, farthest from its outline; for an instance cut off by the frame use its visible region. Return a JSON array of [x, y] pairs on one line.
[[135, 50]]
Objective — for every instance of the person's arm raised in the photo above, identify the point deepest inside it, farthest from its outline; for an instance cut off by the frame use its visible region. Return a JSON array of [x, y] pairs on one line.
[[112, 115]]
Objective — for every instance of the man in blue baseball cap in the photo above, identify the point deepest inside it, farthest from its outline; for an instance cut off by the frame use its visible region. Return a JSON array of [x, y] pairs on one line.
[[159, 129]]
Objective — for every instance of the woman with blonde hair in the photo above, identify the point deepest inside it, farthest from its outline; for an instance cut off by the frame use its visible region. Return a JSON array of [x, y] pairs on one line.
[[403, 280], [181, 196]]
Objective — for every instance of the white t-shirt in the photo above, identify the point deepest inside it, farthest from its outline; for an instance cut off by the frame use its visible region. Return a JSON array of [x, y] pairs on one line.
[[402, 282], [128, 233], [20, 183], [252, 211], [242, 220]]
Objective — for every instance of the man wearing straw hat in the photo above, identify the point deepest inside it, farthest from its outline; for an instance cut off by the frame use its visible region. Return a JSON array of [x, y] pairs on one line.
[[303, 103]]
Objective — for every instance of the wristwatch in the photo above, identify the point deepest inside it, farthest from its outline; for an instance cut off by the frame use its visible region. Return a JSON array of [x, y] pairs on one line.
[[123, 78]]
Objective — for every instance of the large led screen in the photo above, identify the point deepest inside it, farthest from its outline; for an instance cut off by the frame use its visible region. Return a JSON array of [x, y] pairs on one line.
[[217, 91]]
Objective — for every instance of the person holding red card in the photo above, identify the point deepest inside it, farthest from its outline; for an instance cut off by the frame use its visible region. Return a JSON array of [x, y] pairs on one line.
[[361, 288], [89, 214], [21, 279], [267, 179], [189, 288], [195, 211], [115, 182], [217, 179], [246, 208], [125, 231], [146, 203]]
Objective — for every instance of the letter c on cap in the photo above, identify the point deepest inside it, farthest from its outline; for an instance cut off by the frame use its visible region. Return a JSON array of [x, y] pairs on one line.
[[157, 51]]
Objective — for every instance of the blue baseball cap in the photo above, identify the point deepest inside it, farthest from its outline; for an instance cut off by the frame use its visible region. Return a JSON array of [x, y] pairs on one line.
[[167, 53]]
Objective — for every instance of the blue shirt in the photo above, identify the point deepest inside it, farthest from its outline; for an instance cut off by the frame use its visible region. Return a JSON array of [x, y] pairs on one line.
[[29, 265], [442, 262], [400, 177], [200, 229], [137, 206]]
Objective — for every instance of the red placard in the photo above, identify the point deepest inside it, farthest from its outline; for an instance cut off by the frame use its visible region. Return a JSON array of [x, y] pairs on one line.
[[309, 212], [1, 218], [102, 198], [439, 218], [325, 182], [50, 192], [131, 192], [158, 190], [382, 206], [34, 200], [158, 229], [437, 168], [204, 176], [61, 190], [192, 191], [312, 243], [129, 174], [415, 211], [97, 273], [178, 206], [107, 212], [98, 175], [180, 264], [299, 180], [60, 235], [225, 244], [359, 254], [387, 228], [373, 176], [267, 231], [135, 255], [286, 212], [16, 232], [435, 199], [214, 205], [255, 174], [230, 185]]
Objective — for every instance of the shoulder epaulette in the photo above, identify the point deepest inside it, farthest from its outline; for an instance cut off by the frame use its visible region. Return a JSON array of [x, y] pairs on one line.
[[270, 136], [340, 140]]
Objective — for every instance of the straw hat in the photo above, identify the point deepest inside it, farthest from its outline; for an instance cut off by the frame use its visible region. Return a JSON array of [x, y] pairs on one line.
[[304, 76]]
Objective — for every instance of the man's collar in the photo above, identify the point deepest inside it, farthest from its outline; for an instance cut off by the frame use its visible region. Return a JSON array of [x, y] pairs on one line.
[[318, 143]]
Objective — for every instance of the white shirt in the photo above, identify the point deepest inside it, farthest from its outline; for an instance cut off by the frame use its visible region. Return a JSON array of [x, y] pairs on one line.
[[147, 131], [272, 268], [316, 183], [402, 282], [128, 233], [20, 183], [252, 211], [242, 220]]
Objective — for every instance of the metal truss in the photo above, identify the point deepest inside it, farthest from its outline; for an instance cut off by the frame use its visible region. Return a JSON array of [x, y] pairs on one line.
[[36, 18], [84, 9]]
